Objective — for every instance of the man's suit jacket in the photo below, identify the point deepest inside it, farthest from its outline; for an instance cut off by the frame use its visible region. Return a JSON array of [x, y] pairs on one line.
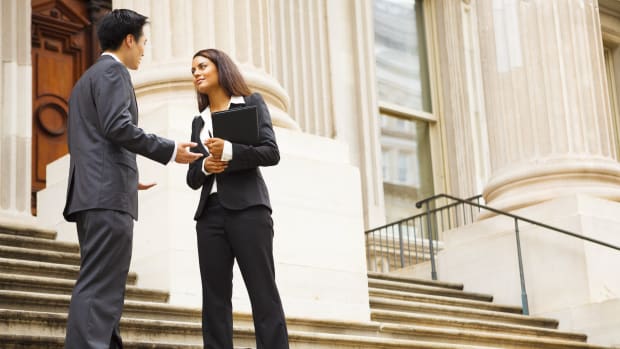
[[104, 137], [241, 185]]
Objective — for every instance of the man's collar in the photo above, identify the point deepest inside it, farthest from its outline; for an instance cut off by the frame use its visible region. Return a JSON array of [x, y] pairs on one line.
[[113, 56]]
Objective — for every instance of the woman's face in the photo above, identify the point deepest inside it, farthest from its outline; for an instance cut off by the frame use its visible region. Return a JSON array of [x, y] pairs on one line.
[[205, 75]]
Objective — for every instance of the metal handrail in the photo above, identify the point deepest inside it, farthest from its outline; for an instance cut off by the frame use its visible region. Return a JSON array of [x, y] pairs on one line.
[[516, 218], [476, 197], [504, 213], [401, 243]]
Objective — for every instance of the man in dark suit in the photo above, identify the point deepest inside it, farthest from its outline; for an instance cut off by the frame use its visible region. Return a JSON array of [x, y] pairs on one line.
[[102, 195]]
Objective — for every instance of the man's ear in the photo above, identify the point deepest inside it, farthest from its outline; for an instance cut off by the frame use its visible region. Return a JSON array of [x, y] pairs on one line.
[[129, 40]]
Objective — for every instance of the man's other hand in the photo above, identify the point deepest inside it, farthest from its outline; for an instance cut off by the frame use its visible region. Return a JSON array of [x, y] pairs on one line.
[[145, 186], [184, 156]]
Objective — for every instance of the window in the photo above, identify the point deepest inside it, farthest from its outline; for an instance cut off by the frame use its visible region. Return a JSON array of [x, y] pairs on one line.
[[400, 54], [403, 167], [405, 104], [609, 12], [611, 71]]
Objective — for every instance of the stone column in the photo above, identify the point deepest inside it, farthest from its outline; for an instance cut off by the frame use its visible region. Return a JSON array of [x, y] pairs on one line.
[[353, 96], [547, 104], [455, 55], [315, 190], [15, 111], [550, 153], [180, 28]]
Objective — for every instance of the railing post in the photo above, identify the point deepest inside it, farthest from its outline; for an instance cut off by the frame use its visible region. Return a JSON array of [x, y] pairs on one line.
[[430, 241], [524, 303], [400, 243]]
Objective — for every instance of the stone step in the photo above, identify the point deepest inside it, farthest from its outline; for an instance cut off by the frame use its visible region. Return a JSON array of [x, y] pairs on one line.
[[459, 312], [458, 323], [24, 323], [47, 269], [38, 243], [53, 324], [166, 334], [15, 282], [526, 338], [414, 281], [11, 341], [53, 303], [429, 290], [139, 330], [39, 255], [482, 338], [26, 230], [422, 298], [297, 341]]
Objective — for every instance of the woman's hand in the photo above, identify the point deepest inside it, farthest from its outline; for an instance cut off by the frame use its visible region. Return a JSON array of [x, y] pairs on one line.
[[215, 166], [215, 146]]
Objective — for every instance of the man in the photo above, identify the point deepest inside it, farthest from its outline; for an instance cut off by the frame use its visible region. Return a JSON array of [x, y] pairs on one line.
[[102, 195]]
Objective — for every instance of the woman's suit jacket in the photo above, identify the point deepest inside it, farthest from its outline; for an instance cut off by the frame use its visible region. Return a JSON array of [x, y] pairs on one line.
[[241, 185]]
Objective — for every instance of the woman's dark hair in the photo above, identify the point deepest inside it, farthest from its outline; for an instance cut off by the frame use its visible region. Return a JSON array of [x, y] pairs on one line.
[[229, 76], [116, 25]]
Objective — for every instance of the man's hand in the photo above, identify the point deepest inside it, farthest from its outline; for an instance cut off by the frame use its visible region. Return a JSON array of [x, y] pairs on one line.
[[215, 146], [145, 186], [184, 156], [214, 166]]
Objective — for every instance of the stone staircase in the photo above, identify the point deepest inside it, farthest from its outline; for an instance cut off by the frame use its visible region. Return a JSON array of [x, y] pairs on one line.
[[37, 275]]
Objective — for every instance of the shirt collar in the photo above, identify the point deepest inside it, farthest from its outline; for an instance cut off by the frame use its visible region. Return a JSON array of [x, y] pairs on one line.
[[113, 56], [237, 100], [233, 100]]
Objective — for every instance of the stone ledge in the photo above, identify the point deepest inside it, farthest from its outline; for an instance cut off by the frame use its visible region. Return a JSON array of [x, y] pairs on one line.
[[431, 290], [442, 300], [15, 282], [445, 310], [47, 269], [416, 281]]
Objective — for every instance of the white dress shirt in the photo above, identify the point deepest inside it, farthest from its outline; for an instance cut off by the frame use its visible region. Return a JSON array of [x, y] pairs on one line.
[[207, 132]]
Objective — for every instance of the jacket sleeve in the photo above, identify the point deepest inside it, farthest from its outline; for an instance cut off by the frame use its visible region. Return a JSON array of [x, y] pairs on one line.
[[113, 97], [266, 153], [195, 177]]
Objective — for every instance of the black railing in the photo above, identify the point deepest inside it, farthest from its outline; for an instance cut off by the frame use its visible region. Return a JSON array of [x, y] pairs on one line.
[[408, 242], [432, 213]]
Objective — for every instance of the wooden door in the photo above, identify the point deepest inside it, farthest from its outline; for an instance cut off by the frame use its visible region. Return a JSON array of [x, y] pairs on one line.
[[63, 47]]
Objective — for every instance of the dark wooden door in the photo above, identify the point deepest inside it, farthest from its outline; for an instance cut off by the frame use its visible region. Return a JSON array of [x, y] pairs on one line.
[[63, 47]]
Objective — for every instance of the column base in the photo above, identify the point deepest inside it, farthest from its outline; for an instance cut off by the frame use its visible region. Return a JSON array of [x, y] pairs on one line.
[[535, 182]]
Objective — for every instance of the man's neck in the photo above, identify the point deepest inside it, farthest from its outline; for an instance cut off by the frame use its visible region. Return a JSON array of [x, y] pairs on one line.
[[117, 55]]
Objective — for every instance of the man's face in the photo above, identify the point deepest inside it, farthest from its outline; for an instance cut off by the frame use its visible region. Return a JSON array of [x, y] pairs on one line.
[[136, 51]]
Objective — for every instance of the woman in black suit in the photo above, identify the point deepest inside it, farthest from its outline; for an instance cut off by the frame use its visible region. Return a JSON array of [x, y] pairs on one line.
[[234, 213]]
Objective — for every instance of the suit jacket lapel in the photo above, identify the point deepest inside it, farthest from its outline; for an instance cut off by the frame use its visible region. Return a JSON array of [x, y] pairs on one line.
[[197, 126], [135, 104]]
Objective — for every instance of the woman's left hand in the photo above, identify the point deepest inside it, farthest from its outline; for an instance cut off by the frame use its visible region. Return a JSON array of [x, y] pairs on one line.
[[215, 146]]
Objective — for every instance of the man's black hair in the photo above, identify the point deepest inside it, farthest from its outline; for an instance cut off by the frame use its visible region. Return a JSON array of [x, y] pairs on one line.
[[116, 25]]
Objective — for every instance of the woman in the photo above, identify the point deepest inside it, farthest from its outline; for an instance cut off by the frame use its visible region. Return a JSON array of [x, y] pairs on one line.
[[234, 212]]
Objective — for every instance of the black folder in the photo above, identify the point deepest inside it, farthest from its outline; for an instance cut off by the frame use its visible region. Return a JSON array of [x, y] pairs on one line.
[[237, 125]]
